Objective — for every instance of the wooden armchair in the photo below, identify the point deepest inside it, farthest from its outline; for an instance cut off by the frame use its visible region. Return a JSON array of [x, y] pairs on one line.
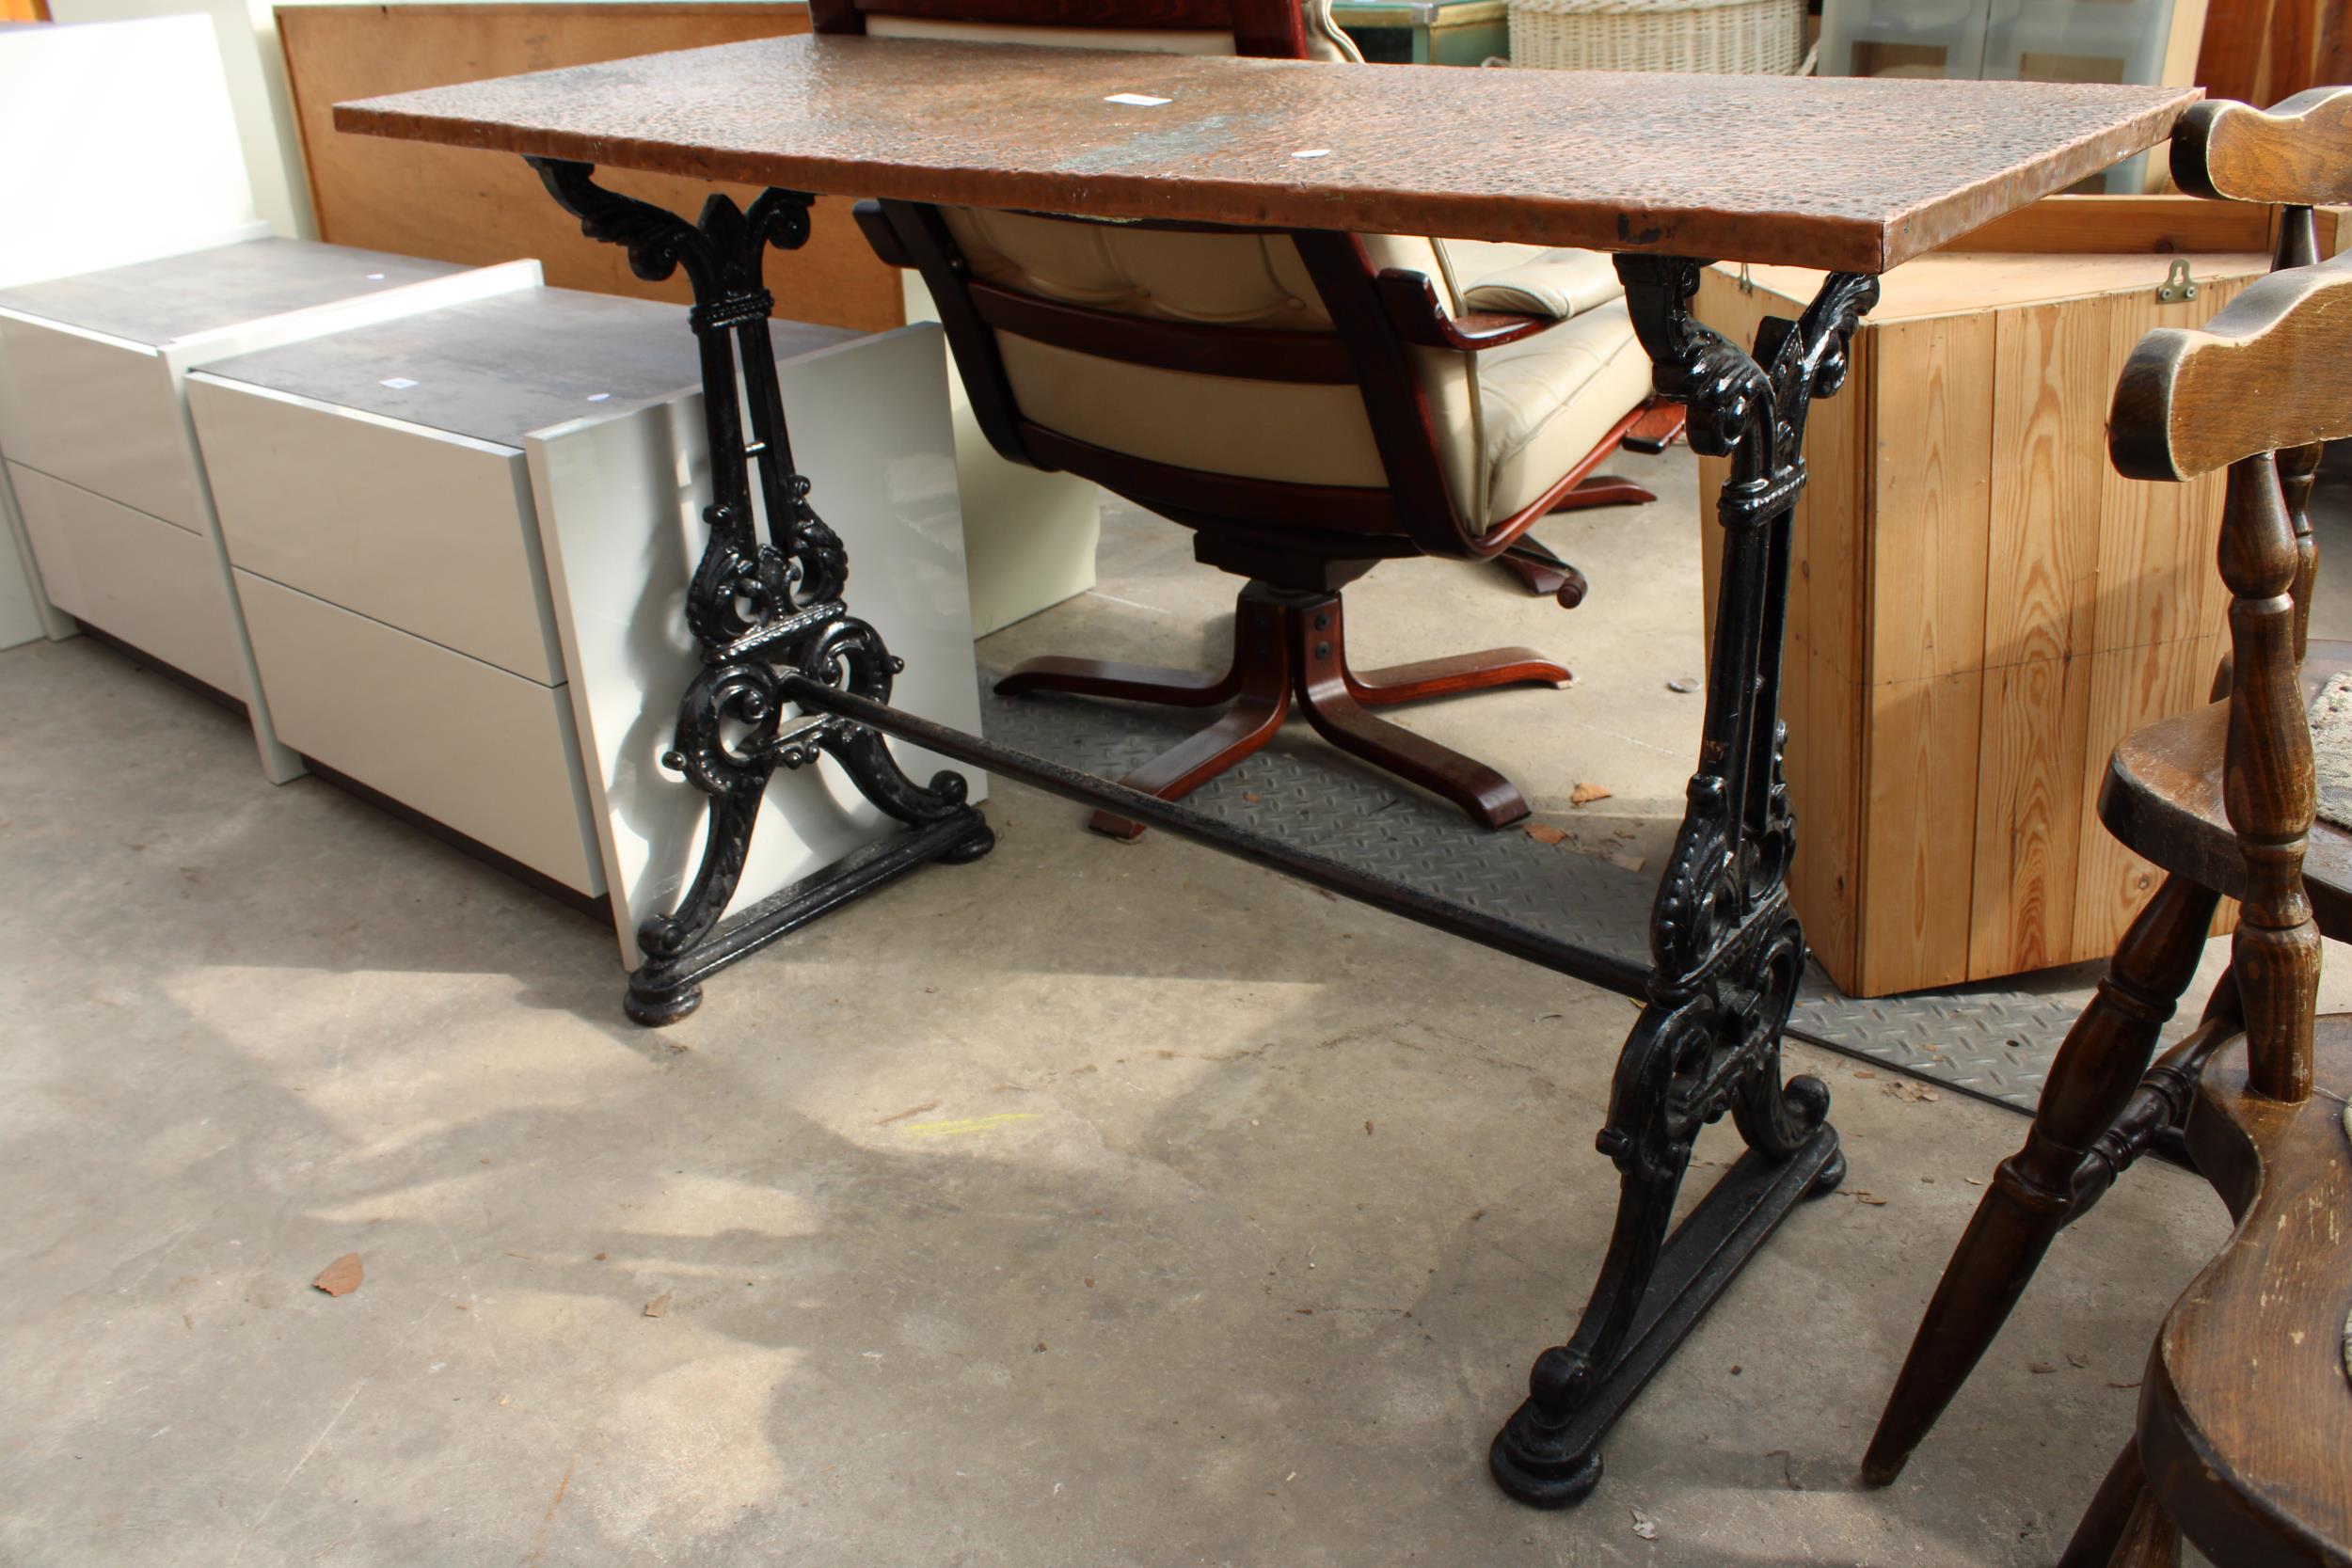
[[1308, 403], [2245, 1432]]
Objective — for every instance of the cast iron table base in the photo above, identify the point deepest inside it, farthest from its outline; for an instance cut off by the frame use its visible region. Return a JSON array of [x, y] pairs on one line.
[[789, 674]]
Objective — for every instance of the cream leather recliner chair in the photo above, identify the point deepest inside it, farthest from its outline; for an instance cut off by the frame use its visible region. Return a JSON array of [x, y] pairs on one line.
[[1311, 403]]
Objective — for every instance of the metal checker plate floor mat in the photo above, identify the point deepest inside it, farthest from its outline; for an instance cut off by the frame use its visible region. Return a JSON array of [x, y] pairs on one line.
[[1993, 1040]]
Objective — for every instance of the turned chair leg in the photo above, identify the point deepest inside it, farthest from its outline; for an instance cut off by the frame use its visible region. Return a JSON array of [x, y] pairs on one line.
[[2032, 1196]]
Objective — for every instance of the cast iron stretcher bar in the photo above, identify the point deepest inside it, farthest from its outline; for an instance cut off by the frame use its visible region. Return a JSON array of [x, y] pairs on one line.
[[1853, 175]]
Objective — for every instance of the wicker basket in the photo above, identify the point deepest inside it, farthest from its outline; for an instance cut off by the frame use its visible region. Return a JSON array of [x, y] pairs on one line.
[[1741, 37]]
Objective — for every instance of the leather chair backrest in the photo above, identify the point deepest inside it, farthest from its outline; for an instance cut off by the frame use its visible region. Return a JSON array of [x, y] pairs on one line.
[[1236, 425]]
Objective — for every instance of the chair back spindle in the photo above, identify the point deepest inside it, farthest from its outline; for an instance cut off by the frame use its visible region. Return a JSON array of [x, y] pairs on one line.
[[2292, 157], [2271, 374], [2268, 787]]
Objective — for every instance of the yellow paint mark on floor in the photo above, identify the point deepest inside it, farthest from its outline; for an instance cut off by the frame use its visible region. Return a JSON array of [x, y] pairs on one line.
[[969, 1124]]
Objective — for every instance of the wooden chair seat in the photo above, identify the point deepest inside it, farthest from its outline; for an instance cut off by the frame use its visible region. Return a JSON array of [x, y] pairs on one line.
[[2163, 799], [2245, 1415]]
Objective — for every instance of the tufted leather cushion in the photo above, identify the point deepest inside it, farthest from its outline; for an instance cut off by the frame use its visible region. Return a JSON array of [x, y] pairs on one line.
[[1555, 283], [1547, 401]]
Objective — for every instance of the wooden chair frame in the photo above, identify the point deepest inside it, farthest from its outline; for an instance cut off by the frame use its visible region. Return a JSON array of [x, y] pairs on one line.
[[1378, 316], [2241, 393]]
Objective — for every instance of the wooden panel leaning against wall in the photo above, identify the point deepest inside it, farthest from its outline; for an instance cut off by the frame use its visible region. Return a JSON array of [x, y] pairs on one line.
[[2262, 50], [459, 205]]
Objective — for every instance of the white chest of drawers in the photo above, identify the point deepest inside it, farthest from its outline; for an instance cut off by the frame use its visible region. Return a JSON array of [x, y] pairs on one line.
[[101, 456], [462, 540]]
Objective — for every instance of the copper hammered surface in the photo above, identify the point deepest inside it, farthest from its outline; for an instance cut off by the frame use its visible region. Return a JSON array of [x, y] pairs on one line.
[[1857, 175]]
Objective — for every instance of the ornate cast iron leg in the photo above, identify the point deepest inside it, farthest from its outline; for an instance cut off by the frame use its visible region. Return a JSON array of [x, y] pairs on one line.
[[1726, 951], [761, 608]]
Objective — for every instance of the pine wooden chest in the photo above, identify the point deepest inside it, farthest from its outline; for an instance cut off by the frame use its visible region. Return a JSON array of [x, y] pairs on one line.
[[1982, 607]]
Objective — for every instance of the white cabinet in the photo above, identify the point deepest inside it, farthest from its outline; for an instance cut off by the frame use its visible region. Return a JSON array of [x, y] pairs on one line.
[[95, 427], [463, 537], [126, 148]]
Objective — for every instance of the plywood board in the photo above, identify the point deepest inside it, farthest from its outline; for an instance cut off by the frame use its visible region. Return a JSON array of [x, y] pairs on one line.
[[426, 201]]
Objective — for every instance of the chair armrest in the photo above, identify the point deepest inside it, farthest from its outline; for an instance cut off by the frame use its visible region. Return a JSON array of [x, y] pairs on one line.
[[880, 235], [1411, 302], [1656, 429]]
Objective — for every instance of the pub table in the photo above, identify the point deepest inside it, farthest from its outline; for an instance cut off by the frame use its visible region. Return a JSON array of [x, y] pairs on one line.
[[1670, 174]]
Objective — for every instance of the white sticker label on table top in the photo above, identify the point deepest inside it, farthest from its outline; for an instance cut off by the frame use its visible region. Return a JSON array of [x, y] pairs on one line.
[[1138, 100]]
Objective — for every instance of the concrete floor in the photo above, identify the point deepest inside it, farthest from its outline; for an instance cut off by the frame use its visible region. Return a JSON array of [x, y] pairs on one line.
[[1088, 1205]]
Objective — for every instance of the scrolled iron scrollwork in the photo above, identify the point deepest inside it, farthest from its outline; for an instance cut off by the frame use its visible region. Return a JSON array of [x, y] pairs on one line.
[[1728, 955], [722, 251], [760, 606]]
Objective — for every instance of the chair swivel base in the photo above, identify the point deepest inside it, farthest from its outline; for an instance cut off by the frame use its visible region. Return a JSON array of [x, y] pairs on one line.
[[1545, 573], [1289, 646]]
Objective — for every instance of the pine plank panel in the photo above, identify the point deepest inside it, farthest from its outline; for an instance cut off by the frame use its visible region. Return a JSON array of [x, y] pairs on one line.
[[2051, 383], [1829, 562], [1932, 497], [2130, 688], [421, 199], [1917, 864], [2032, 746], [2156, 582], [1823, 706], [1821, 674]]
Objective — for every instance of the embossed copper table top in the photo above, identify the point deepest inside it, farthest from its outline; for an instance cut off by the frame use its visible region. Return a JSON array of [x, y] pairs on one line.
[[1856, 175]]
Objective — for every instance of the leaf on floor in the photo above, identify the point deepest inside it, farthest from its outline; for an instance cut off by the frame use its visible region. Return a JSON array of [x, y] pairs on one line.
[[2042, 1369], [1644, 1526], [1544, 832], [1872, 1198], [660, 1306], [1910, 1093], [342, 1277], [1585, 794]]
